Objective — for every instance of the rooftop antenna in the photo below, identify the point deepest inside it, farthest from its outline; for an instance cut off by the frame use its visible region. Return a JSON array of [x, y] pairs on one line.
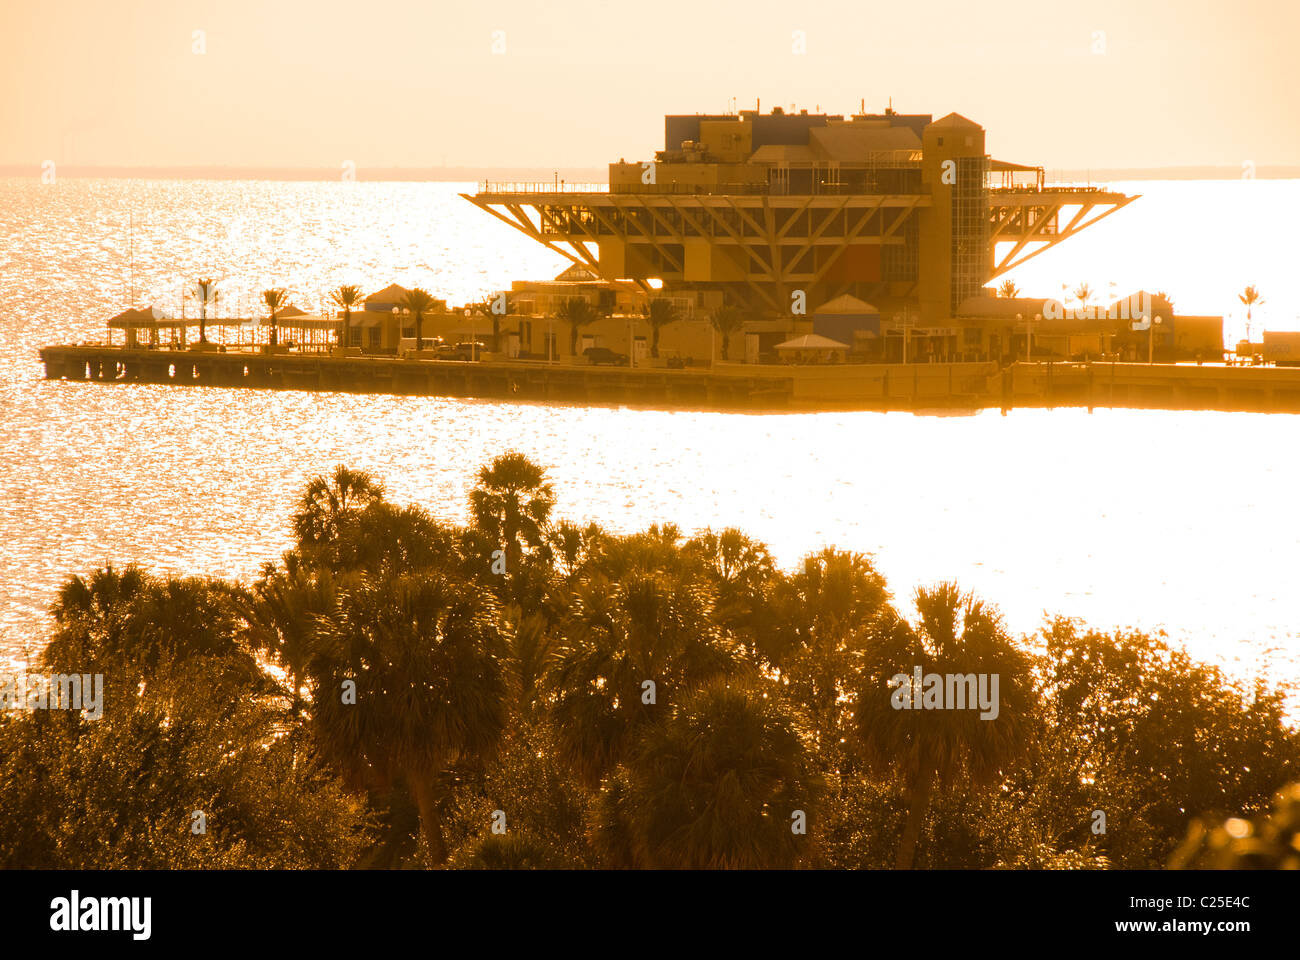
[[862, 106]]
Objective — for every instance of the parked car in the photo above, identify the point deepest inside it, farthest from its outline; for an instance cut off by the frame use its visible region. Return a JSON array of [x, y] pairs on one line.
[[407, 345], [604, 355], [465, 350]]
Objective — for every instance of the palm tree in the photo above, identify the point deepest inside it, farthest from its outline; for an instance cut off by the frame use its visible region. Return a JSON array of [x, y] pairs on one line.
[[714, 784], [659, 312], [419, 301], [570, 544], [726, 320], [484, 308], [743, 574], [1251, 298], [206, 292], [276, 299], [578, 313], [280, 611], [639, 611], [425, 656], [89, 616], [511, 505], [383, 539], [327, 501], [346, 297], [1008, 289], [95, 597], [132, 627], [531, 647], [819, 623], [1083, 293], [928, 748]]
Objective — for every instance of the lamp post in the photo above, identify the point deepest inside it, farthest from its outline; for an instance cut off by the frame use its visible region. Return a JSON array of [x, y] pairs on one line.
[[1029, 334], [1151, 339], [904, 320]]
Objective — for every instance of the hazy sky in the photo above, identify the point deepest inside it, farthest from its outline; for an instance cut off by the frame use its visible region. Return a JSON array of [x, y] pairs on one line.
[[582, 82]]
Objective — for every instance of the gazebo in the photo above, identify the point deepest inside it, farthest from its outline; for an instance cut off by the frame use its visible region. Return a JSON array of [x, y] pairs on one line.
[[305, 331], [134, 320], [812, 348]]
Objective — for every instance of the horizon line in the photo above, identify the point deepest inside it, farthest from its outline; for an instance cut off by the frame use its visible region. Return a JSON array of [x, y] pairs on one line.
[[466, 174]]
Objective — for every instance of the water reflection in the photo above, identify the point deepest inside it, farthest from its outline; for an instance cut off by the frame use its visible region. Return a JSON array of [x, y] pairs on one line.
[[1186, 521]]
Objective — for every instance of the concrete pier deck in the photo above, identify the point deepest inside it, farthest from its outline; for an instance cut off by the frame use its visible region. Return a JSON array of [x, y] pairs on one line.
[[924, 386]]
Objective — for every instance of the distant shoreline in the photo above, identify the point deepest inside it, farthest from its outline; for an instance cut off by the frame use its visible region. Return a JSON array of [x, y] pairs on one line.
[[364, 174], [361, 174]]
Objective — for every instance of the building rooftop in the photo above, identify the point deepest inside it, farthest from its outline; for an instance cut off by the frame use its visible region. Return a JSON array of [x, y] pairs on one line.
[[956, 120], [846, 305], [850, 142], [393, 293], [578, 273]]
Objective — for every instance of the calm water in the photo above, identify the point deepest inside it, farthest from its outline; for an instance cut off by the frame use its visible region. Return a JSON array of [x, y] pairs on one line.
[[1184, 521]]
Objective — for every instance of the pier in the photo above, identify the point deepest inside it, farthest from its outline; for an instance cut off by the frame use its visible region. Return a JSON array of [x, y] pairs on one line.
[[502, 380], [915, 386]]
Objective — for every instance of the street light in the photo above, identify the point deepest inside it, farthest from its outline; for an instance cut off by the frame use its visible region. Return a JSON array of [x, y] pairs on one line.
[[1151, 339], [1029, 334], [904, 320]]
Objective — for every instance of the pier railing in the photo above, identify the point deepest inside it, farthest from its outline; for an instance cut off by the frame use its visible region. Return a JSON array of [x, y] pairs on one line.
[[541, 186], [737, 189], [1048, 188], [749, 188]]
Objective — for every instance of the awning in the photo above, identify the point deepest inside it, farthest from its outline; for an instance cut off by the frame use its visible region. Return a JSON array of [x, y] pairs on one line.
[[811, 341], [1005, 166]]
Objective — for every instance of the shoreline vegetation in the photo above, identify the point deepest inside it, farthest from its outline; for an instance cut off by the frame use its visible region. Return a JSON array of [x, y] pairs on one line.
[[399, 692]]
